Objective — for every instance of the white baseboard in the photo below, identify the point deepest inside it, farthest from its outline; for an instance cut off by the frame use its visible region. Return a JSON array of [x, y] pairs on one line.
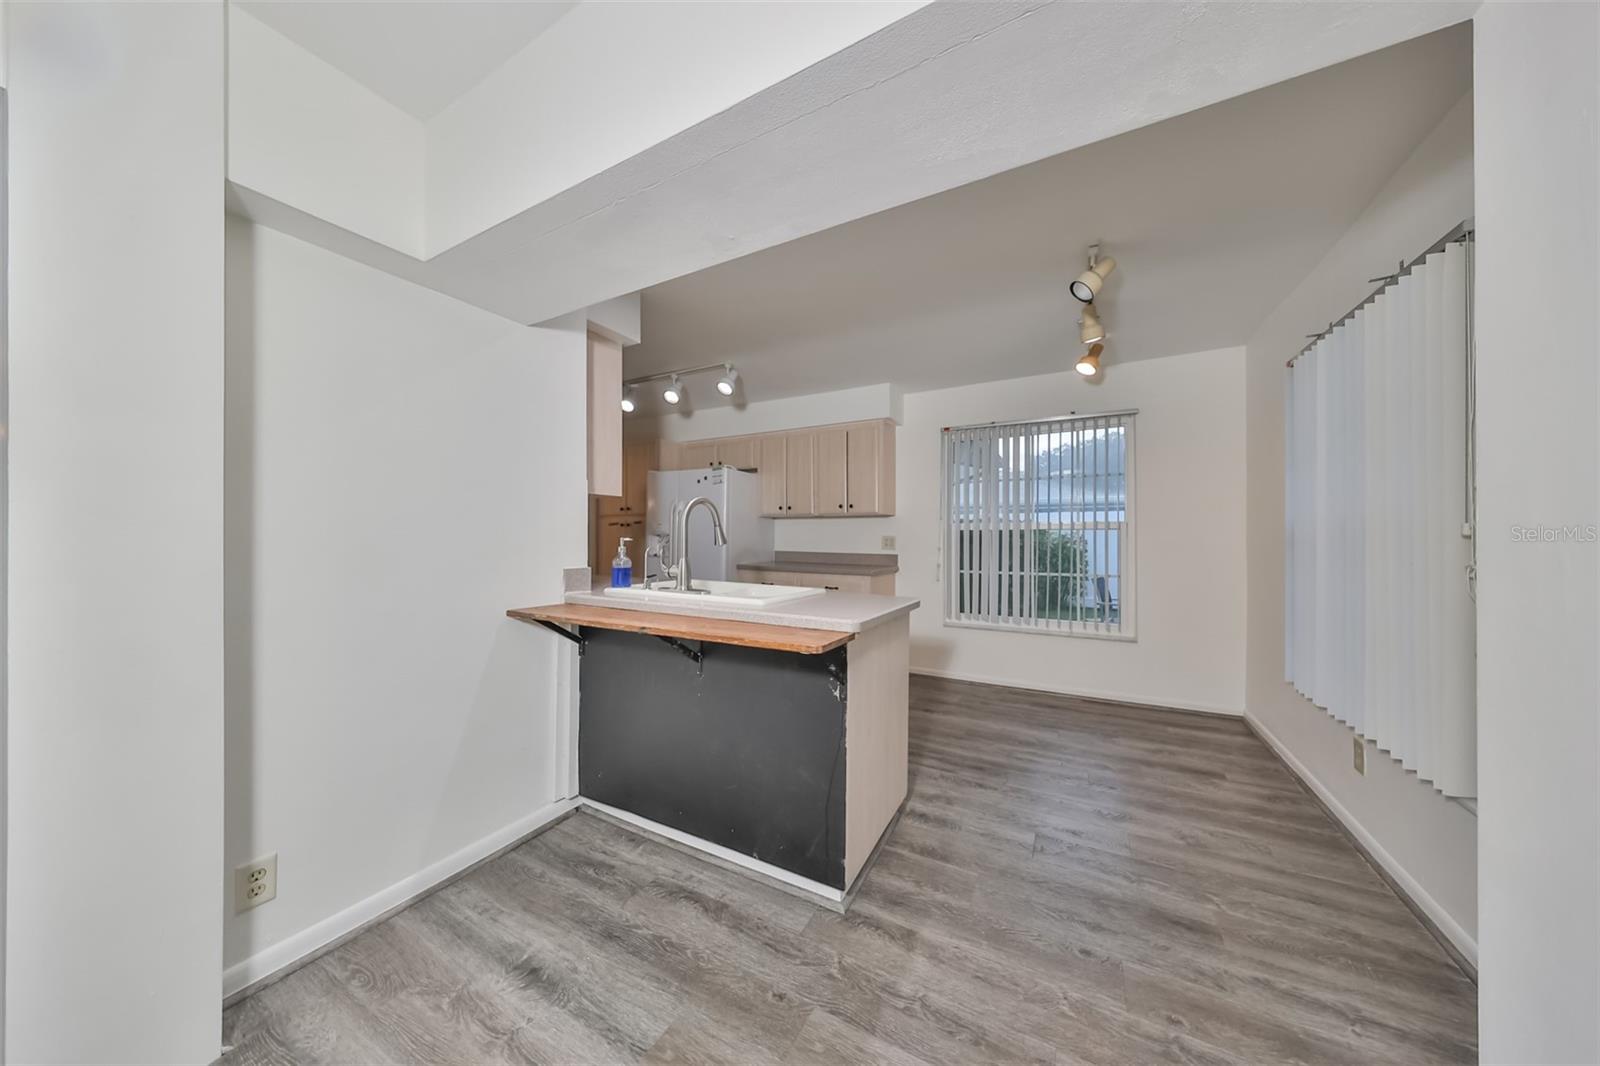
[[1446, 926], [1084, 693], [727, 855], [294, 951]]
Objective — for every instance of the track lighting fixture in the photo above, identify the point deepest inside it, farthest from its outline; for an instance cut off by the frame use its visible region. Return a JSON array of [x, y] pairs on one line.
[[672, 388], [1090, 331], [1087, 285], [1089, 362]]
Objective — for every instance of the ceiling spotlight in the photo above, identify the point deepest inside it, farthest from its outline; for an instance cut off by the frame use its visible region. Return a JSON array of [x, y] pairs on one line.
[[727, 382], [1090, 331], [630, 399], [1087, 285], [674, 390], [1089, 362]]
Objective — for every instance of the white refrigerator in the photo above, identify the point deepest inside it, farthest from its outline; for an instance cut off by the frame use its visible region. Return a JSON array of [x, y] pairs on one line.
[[737, 495]]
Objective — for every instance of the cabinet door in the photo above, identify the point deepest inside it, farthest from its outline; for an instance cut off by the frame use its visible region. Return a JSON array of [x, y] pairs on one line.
[[667, 455], [741, 453], [608, 533], [638, 459], [831, 476], [697, 455], [605, 417], [799, 489], [886, 472], [771, 465], [863, 481]]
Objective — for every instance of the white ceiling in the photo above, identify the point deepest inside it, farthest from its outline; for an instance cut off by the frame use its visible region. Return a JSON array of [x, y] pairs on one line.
[[420, 55], [1214, 217]]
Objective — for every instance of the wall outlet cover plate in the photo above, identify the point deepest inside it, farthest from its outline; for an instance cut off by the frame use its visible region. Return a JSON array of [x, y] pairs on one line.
[[255, 882]]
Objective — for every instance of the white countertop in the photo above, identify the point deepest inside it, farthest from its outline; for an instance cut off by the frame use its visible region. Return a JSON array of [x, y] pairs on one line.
[[844, 612]]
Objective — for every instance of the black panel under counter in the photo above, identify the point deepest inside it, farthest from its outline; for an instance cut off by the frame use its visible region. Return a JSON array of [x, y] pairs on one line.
[[745, 749]]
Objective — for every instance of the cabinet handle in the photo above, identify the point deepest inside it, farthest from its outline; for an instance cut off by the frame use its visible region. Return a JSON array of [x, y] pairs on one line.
[[841, 507], [831, 588]]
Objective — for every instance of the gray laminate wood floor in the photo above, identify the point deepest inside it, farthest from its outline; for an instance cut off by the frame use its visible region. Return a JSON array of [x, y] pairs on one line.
[[1070, 881]]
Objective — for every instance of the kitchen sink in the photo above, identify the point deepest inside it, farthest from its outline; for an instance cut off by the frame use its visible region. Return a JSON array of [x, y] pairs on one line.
[[719, 594]]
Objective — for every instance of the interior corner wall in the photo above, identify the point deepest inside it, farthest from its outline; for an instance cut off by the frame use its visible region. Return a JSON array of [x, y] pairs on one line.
[[402, 468], [306, 134], [115, 538], [1537, 89], [607, 81], [1428, 843]]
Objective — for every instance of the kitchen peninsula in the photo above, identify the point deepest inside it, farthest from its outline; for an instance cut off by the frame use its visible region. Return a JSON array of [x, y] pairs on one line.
[[772, 735]]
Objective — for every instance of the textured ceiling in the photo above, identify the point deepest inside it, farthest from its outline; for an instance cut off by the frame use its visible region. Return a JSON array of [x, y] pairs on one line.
[[1214, 216]]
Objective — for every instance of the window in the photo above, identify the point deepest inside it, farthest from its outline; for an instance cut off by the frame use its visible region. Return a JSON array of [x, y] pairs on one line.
[[1038, 526]]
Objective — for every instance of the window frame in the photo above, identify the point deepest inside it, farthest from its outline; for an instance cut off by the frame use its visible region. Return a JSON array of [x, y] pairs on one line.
[[1126, 627]]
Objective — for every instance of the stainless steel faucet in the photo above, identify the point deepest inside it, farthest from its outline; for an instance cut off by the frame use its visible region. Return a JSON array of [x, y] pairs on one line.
[[680, 540]]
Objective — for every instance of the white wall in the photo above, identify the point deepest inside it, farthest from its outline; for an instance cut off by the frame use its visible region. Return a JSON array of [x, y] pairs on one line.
[[303, 132], [1189, 513], [114, 926], [767, 416], [1190, 537], [402, 469], [608, 81], [1537, 89], [1429, 840]]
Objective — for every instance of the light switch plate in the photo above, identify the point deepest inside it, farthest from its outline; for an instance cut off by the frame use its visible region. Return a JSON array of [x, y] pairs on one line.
[[1360, 756], [886, 542]]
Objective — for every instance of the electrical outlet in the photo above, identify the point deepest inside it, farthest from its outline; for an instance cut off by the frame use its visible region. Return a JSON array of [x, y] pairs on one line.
[[886, 543], [255, 882], [1360, 756]]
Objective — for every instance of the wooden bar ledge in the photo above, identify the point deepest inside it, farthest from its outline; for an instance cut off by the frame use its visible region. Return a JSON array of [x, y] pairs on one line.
[[688, 627]]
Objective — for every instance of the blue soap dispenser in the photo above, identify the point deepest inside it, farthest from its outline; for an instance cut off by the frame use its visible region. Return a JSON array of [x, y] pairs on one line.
[[622, 566]]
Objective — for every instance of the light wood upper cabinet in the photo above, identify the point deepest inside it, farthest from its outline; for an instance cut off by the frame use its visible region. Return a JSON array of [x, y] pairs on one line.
[[832, 467], [605, 416], [799, 466], [742, 453], [869, 466], [841, 471], [638, 459], [697, 455], [770, 462], [667, 455]]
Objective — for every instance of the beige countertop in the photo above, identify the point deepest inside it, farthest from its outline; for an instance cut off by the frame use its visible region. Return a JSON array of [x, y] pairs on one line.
[[784, 566], [854, 564]]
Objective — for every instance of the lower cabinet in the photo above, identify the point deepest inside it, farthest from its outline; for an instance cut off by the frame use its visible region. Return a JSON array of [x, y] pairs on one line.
[[609, 531]]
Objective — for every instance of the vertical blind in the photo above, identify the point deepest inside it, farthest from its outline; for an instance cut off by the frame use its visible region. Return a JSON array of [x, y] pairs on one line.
[[1038, 525], [1379, 620]]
